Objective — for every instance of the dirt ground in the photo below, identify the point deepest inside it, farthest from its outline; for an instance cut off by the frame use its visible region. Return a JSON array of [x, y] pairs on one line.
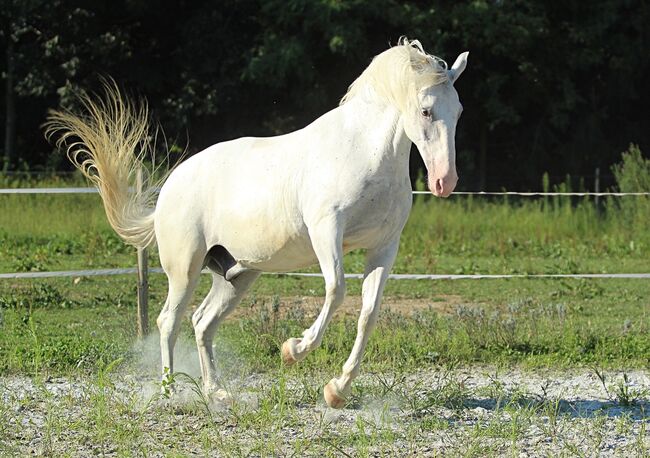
[[436, 411], [351, 305], [482, 412]]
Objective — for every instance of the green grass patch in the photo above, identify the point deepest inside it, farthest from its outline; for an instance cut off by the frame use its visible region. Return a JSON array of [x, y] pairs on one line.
[[55, 326], [69, 324]]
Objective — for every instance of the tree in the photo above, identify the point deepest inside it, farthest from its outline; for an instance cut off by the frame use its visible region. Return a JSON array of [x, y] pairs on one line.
[[551, 86], [51, 47]]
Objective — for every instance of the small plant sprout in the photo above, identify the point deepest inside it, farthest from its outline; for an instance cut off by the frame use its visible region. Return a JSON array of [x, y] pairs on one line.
[[623, 391]]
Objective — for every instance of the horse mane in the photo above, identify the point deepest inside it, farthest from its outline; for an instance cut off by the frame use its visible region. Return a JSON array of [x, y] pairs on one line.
[[397, 74]]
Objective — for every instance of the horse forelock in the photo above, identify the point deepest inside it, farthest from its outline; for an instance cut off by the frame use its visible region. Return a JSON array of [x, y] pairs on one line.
[[397, 74]]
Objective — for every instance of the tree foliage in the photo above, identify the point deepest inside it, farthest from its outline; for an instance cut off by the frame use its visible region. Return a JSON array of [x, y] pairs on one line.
[[551, 86]]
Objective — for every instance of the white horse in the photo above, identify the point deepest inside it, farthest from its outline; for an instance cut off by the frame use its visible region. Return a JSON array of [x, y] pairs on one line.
[[276, 204]]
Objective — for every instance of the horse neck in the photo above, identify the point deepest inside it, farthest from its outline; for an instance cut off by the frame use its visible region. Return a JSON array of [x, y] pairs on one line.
[[381, 127]]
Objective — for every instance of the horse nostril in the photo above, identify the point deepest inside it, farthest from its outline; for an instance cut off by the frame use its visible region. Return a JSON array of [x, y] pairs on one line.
[[439, 186]]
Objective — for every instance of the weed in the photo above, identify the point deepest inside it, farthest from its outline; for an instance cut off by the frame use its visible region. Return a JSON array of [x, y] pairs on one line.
[[550, 411], [167, 383], [622, 391], [201, 399]]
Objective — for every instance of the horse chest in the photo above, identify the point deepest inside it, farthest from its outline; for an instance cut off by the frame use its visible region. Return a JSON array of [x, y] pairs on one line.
[[379, 215]]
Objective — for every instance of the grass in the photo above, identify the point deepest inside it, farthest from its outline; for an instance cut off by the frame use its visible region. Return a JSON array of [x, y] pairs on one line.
[[530, 322], [84, 330], [522, 321], [460, 235]]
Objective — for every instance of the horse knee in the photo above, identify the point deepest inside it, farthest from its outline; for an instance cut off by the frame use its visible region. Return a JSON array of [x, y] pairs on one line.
[[335, 292]]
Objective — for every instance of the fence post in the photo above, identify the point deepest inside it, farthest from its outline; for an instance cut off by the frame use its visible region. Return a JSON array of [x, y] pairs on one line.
[[143, 278]]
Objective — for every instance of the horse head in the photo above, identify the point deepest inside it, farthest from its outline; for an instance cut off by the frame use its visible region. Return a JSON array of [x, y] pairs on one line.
[[430, 122]]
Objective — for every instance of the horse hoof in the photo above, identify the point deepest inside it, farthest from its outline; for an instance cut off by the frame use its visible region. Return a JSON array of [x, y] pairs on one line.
[[287, 354], [333, 397], [222, 396]]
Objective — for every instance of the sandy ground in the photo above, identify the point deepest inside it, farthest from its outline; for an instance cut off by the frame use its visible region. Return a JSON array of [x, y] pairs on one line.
[[460, 411], [568, 413]]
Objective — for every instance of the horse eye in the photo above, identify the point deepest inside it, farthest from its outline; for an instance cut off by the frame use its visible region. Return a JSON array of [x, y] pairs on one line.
[[426, 113]]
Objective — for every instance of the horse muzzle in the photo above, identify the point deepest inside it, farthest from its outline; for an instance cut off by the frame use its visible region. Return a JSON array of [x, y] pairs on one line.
[[444, 186]]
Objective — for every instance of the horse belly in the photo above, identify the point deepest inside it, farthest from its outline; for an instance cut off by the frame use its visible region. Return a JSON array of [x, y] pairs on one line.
[[269, 245]]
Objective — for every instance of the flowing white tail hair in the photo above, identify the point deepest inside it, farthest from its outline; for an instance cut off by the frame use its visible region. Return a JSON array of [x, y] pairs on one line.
[[109, 144]]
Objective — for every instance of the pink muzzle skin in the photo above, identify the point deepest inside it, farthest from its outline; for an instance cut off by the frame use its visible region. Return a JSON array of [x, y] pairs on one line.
[[443, 187]]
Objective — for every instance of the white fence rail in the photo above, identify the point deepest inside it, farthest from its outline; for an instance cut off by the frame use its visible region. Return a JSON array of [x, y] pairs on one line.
[[542, 194], [460, 193], [158, 270], [49, 191]]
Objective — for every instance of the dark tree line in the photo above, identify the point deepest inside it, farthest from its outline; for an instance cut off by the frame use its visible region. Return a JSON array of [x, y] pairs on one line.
[[558, 87]]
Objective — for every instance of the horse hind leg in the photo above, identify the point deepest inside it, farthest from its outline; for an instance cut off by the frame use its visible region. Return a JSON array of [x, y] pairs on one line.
[[220, 301], [182, 278]]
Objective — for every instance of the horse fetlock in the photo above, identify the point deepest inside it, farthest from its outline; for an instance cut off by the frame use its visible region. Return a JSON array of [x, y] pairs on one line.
[[291, 354], [351, 370], [335, 397]]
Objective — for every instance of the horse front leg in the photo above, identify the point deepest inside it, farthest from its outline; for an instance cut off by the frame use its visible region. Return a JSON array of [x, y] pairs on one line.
[[327, 241], [378, 265]]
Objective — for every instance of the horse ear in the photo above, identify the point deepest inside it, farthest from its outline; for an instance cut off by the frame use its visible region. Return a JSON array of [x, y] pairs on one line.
[[458, 67]]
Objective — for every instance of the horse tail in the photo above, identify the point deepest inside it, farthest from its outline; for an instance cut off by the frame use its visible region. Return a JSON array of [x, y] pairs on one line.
[[109, 144]]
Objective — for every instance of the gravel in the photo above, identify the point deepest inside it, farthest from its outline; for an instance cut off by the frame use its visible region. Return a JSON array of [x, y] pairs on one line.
[[435, 412]]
